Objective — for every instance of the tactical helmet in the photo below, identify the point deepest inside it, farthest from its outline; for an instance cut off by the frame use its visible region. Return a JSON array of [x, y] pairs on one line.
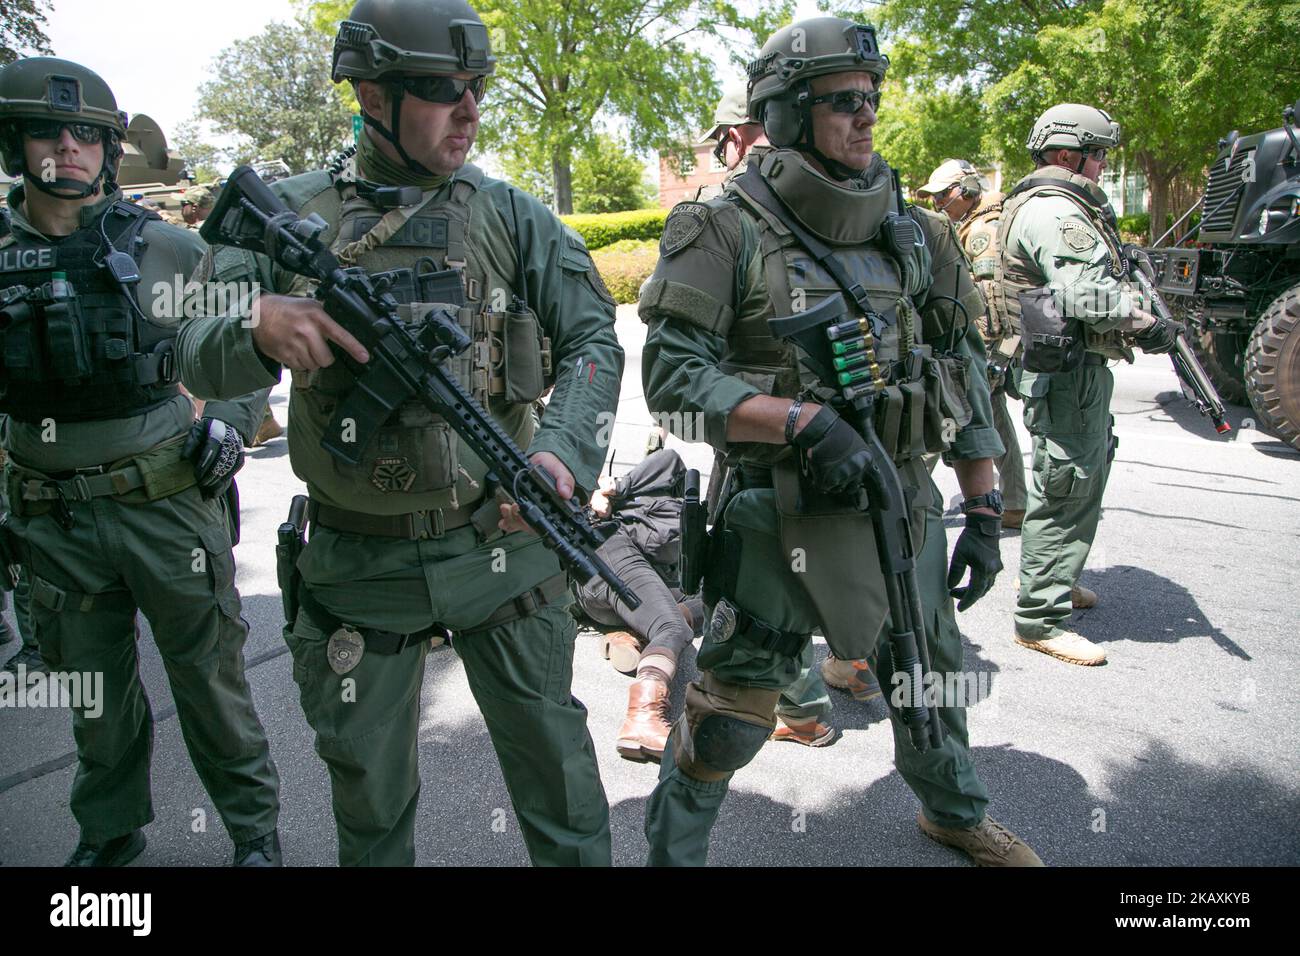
[[732, 110], [411, 37], [385, 40], [45, 87], [1073, 126], [198, 196], [778, 79]]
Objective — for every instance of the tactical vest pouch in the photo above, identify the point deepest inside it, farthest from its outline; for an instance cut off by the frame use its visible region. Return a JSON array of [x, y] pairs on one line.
[[415, 452], [889, 418], [947, 409], [1052, 342], [525, 378], [164, 471], [23, 349], [66, 346]]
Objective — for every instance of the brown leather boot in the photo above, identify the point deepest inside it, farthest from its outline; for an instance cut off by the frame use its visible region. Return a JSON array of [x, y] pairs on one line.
[[644, 733], [622, 649]]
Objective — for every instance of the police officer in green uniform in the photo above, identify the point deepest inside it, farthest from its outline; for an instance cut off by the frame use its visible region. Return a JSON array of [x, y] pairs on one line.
[[957, 190], [728, 266], [804, 709], [407, 543], [1061, 278], [120, 500]]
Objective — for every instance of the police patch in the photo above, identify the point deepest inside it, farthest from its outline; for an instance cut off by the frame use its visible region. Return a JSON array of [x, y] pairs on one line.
[[1077, 237], [392, 474], [685, 223], [979, 244]]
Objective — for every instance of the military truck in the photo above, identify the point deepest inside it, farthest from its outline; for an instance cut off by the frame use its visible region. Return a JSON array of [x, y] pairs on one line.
[[1238, 287], [149, 170]]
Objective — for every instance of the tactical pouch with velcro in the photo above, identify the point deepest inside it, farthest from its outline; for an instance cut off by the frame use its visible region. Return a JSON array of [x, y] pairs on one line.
[[163, 470], [523, 345], [1053, 343], [67, 349], [947, 410]]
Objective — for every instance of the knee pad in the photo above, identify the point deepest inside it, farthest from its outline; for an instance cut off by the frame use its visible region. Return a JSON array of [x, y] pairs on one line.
[[723, 727]]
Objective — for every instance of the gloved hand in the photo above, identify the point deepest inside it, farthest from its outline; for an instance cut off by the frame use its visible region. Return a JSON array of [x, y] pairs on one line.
[[1158, 338], [217, 451], [977, 549], [837, 455]]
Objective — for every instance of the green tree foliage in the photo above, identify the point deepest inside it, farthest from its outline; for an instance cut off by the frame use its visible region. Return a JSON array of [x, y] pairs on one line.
[[204, 160], [21, 29], [607, 178], [562, 65], [918, 131], [272, 92], [1176, 74]]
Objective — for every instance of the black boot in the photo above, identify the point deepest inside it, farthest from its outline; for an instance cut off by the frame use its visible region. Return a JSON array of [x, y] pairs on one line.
[[116, 852], [262, 851]]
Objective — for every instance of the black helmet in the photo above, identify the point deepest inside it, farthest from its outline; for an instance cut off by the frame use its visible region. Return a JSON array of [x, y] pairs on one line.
[[45, 87], [391, 39]]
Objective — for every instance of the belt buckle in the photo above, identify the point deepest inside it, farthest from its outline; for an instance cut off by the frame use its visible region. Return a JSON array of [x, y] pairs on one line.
[[432, 523], [82, 487]]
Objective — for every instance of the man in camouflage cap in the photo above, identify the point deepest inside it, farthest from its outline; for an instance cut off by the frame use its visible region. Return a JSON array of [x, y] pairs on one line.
[[196, 204], [729, 265], [1061, 278], [956, 189]]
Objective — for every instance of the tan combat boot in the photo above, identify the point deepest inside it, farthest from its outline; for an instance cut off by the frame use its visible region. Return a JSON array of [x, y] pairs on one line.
[[988, 843], [852, 676], [644, 733], [269, 429], [810, 733], [1069, 647]]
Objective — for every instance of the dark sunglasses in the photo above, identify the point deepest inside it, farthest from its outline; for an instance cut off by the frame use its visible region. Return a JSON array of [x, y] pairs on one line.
[[848, 101], [444, 89], [52, 129]]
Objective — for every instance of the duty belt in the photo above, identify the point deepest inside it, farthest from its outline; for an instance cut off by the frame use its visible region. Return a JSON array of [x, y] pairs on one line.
[[432, 523], [114, 478], [390, 642], [729, 622]]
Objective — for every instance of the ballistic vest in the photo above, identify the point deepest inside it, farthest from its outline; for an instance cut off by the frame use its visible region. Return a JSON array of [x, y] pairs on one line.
[[978, 234], [80, 347], [850, 220], [417, 460], [1014, 273]]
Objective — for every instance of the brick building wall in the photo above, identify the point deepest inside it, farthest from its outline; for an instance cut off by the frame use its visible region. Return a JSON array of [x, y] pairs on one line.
[[707, 171]]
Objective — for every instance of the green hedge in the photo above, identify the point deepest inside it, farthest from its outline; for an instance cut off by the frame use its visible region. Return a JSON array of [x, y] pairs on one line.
[[601, 229], [625, 265]]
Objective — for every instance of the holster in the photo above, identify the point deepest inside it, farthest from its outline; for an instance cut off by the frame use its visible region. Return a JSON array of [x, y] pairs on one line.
[[291, 539], [695, 535]]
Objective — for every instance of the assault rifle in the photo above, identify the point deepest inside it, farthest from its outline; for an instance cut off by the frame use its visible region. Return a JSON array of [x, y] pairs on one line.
[[840, 352], [405, 363], [1196, 385]]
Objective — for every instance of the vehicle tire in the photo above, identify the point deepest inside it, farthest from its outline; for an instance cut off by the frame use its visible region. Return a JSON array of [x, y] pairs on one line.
[[1223, 356], [1273, 367]]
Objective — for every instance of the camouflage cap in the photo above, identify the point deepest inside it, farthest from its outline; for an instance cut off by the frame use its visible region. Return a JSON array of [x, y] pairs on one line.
[[949, 174], [732, 110], [200, 196]]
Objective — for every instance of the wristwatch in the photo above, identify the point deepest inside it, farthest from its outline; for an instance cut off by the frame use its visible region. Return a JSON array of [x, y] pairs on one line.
[[992, 500]]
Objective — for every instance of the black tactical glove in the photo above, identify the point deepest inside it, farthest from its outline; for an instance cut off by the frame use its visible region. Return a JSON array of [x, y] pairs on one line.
[[217, 451], [837, 455], [1157, 339], [977, 549]]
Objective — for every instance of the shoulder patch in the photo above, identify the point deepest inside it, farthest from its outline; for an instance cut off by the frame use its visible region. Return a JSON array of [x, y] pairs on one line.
[[1077, 236], [685, 223], [979, 243]]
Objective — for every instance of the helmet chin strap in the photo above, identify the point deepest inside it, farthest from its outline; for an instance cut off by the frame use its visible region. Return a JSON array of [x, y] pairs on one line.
[[395, 94]]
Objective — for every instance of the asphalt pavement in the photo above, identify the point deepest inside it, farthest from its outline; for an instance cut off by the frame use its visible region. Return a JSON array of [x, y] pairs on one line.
[[1181, 750]]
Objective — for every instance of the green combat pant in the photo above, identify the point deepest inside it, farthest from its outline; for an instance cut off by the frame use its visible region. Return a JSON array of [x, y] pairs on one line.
[[172, 560], [367, 720], [807, 697], [1011, 466], [682, 810], [1068, 413]]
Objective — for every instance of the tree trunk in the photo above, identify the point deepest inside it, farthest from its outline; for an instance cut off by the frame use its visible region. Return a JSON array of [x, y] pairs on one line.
[[1158, 182], [562, 177]]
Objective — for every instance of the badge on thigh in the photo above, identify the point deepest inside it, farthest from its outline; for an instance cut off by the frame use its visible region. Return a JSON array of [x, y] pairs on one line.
[[345, 650]]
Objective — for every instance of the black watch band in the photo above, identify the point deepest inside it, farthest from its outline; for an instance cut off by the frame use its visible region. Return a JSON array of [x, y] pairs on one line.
[[992, 500]]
